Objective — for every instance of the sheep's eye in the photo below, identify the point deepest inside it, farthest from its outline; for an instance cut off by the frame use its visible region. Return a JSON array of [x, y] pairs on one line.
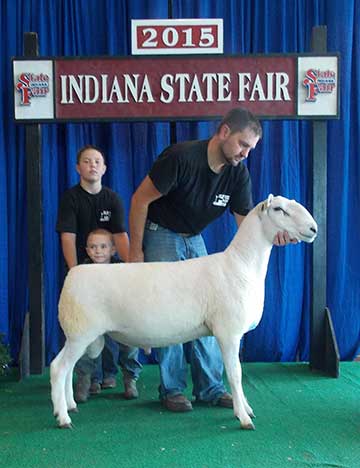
[[278, 208]]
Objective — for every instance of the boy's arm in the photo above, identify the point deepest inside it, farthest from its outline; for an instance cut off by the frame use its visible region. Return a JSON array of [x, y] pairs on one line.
[[121, 241], [68, 245]]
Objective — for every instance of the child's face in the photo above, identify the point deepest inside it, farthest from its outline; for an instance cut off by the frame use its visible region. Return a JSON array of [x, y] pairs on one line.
[[91, 166], [100, 248]]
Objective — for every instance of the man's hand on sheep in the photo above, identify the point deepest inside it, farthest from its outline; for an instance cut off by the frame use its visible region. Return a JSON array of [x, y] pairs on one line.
[[136, 256], [282, 238]]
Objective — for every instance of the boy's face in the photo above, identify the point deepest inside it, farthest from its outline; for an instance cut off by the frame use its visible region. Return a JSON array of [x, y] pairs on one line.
[[91, 166], [100, 248]]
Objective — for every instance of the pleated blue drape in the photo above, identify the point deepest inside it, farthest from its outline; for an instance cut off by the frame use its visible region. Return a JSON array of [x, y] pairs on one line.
[[281, 164]]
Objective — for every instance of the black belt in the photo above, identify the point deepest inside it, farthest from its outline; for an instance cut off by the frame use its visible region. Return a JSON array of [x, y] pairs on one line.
[[154, 227]]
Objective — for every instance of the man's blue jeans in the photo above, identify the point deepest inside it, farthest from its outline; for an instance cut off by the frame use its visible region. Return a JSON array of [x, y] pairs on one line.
[[204, 355]]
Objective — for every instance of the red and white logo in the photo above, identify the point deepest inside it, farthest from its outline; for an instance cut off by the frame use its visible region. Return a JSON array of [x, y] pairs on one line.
[[30, 85], [317, 81]]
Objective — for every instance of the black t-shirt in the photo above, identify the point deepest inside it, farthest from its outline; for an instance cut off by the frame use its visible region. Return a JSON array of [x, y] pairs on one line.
[[193, 195], [81, 212]]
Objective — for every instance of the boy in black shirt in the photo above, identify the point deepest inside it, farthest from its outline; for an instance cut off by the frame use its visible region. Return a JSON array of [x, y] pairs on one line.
[[88, 206], [83, 208]]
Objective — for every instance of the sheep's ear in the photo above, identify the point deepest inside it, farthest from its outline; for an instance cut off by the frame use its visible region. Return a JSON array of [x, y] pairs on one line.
[[265, 205]]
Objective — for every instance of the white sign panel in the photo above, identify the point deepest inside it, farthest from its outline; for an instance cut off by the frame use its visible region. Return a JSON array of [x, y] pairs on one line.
[[34, 91], [318, 82], [177, 36]]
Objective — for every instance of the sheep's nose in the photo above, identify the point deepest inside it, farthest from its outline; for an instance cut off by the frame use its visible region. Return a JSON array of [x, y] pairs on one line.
[[313, 229]]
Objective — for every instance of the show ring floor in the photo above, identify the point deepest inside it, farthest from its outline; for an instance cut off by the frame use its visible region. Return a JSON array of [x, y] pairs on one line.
[[303, 420]]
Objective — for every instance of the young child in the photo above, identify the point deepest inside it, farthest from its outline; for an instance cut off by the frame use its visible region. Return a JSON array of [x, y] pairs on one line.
[[100, 249]]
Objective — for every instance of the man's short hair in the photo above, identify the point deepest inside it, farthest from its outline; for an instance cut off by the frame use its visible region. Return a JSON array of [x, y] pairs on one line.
[[238, 119], [87, 147]]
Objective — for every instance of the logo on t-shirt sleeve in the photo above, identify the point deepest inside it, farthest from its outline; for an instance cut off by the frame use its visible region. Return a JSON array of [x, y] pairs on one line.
[[105, 216], [221, 199]]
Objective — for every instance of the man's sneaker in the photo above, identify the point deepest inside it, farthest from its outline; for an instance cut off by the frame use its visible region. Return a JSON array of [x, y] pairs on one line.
[[131, 392], [225, 400], [177, 403], [108, 382], [82, 388], [95, 388]]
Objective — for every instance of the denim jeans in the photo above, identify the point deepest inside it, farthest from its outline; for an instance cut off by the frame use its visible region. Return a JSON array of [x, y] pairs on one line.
[[105, 365], [204, 354]]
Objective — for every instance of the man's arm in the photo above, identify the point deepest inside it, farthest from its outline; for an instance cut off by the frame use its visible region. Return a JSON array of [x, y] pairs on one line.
[[144, 195], [68, 245], [238, 218], [121, 241]]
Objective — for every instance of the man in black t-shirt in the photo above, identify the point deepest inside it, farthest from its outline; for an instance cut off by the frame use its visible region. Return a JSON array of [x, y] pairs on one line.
[[189, 186], [84, 208]]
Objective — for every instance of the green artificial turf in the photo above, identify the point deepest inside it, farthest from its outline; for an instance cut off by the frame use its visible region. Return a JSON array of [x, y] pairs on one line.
[[303, 420]]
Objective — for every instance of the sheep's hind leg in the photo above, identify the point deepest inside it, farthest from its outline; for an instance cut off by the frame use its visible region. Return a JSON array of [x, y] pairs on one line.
[[60, 370], [230, 352], [69, 394], [93, 350], [56, 382]]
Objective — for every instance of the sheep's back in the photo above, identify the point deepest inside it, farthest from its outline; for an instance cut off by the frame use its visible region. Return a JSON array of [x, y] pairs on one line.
[[169, 296]]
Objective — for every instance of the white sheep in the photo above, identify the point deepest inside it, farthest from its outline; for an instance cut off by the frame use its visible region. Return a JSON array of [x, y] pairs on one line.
[[163, 303]]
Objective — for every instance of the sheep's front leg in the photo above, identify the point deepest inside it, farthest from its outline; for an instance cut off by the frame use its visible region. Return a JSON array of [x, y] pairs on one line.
[[230, 352]]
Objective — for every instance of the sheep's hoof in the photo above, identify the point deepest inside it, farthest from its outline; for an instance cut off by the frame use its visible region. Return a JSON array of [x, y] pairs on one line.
[[75, 409], [249, 426], [66, 426]]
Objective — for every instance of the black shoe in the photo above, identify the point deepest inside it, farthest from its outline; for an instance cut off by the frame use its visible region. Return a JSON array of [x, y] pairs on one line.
[[177, 403]]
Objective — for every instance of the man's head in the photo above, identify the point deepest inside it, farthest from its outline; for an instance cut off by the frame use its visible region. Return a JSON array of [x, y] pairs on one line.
[[239, 119], [90, 164], [100, 246], [238, 133]]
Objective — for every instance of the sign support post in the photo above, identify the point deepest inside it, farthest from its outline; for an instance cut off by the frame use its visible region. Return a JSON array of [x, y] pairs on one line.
[[324, 354], [35, 236]]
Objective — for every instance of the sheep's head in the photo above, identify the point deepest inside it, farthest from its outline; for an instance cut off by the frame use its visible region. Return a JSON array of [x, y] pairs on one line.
[[288, 215]]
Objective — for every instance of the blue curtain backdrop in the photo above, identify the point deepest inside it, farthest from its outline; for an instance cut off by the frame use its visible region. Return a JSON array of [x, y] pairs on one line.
[[281, 163]]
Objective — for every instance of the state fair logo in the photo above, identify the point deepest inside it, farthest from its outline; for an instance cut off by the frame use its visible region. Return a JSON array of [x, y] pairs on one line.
[[318, 82], [30, 86]]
